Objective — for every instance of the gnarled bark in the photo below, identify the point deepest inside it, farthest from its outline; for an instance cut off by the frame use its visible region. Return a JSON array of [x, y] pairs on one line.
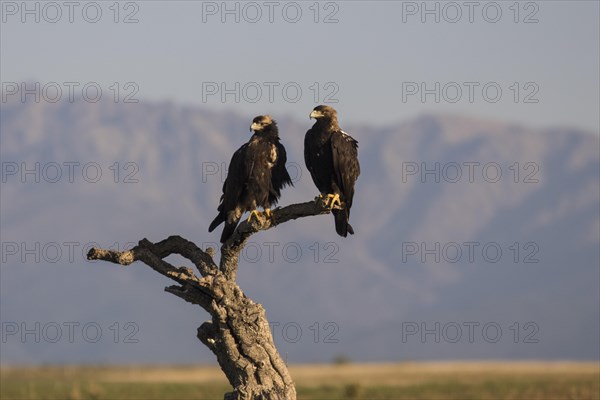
[[238, 332]]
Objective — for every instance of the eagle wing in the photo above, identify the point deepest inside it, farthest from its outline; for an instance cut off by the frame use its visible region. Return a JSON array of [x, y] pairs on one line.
[[309, 156], [279, 174], [234, 184], [346, 168], [237, 177]]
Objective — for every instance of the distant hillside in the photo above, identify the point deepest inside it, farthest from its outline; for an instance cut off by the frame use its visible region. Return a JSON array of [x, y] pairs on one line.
[[490, 230]]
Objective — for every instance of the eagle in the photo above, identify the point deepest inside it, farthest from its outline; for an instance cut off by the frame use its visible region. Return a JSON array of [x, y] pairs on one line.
[[255, 178], [331, 156]]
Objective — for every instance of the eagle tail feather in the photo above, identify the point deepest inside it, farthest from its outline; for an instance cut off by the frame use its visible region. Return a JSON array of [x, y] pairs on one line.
[[228, 229], [216, 222], [342, 227]]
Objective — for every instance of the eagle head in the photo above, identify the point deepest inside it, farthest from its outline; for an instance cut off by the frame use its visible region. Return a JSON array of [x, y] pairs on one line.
[[261, 123], [324, 112]]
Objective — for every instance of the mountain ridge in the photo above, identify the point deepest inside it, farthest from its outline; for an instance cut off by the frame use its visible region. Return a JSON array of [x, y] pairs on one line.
[[368, 286]]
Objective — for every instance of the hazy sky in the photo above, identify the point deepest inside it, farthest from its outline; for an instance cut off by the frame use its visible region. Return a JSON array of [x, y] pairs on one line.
[[376, 61]]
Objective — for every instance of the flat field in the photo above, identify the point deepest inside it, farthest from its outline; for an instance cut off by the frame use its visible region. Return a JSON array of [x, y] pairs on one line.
[[419, 380]]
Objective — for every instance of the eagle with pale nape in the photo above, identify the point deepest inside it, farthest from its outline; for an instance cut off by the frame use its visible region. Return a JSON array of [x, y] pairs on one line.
[[255, 178], [331, 156]]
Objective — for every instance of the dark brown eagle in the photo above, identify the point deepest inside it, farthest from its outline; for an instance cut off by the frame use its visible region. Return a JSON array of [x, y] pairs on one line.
[[331, 156], [255, 178]]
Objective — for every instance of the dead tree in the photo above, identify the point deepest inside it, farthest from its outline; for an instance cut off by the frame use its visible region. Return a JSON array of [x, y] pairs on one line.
[[238, 332]]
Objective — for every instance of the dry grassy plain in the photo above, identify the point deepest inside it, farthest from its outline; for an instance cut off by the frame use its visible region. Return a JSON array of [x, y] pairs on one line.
[[427, 380]]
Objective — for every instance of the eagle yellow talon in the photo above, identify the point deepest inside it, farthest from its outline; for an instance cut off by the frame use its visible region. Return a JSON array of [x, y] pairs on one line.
[[255, 213], [268, 213], [334, 199]]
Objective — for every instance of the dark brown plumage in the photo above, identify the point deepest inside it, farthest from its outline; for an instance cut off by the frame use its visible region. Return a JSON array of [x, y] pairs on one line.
[[255, 178], [331, 156]]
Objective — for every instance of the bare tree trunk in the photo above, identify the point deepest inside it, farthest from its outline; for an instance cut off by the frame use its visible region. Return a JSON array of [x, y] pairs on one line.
[[238, 332]]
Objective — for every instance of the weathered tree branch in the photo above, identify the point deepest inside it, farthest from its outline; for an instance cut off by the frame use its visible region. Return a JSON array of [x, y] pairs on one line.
[[230, 251], [238, 332]]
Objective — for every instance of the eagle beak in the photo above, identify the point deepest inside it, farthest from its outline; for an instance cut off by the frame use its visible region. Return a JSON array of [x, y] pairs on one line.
[[314, 114], [254, 127]]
